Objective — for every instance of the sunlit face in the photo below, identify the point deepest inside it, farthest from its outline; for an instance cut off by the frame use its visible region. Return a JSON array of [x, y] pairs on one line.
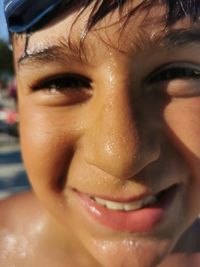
[[120, 123]]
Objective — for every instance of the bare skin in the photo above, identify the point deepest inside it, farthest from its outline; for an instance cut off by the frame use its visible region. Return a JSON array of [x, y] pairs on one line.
[[118, 132], [26, 242]]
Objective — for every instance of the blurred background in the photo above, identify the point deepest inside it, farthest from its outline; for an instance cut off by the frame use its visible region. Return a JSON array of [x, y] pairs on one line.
[[12, 174]]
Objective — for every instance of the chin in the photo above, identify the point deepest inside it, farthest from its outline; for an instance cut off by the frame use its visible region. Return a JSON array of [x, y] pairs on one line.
[[130, 253]]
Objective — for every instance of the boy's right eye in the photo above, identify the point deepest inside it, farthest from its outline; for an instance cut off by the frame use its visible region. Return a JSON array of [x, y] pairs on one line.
[[69, 89]]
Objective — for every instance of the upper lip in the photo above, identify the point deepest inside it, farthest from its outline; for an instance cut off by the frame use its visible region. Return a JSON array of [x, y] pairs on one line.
[[122, 199]]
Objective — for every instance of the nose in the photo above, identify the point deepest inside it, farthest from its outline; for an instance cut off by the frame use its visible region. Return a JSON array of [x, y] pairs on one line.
[[121, 140]]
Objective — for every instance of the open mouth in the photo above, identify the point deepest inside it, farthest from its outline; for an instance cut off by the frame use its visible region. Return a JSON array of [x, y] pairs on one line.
[[148, 201], [133, 216], [129, 206]]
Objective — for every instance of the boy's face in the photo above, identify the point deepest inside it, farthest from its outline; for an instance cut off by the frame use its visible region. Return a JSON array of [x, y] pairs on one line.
[[120, 122]]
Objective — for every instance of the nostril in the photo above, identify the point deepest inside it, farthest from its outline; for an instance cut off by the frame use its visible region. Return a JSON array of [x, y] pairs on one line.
[[121, 157], [117, 143]]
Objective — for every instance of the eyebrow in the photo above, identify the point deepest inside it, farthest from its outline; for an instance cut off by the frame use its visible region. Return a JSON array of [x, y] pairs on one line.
[[180, 37], [63, 51]]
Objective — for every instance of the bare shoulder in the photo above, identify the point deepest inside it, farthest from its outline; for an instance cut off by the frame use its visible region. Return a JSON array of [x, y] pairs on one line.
[[19, 208], [21, 217], [27, 235]]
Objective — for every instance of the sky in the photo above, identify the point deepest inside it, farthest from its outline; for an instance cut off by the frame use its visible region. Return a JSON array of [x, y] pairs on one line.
[[3, 31]]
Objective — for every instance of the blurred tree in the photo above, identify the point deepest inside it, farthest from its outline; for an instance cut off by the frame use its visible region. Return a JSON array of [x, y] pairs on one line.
[[6, 61]]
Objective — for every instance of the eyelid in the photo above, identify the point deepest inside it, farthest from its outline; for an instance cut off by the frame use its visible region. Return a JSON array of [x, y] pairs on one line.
[[165, 67]]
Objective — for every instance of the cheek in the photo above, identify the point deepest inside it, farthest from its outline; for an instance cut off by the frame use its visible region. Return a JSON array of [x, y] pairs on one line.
[[182, 119], [183, 125], [47, 144]]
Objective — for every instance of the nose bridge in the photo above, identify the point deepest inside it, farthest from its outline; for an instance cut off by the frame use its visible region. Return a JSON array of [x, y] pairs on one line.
[[117, 128], [118, 146]]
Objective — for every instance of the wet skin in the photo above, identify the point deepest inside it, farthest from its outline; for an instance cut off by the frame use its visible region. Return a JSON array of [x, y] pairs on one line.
[[114, 123]]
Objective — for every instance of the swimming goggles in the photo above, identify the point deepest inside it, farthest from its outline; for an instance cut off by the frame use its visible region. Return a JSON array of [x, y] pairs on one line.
[[22, 15]]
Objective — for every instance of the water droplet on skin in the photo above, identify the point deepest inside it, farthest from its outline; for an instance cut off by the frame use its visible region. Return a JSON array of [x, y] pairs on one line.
[[22, 254], [14, 245], [110, 76], [110, 68], [37, 228], [108, 149], [106, 246], [83, 34], [95, 211], [131, 244], [39, 47]]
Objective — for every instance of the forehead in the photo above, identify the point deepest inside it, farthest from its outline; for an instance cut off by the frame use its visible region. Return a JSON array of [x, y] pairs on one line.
[[74, 24], [142, 29]]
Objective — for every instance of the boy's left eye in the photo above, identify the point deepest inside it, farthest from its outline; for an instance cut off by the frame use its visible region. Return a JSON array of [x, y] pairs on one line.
[[176, 73], [179, 80]]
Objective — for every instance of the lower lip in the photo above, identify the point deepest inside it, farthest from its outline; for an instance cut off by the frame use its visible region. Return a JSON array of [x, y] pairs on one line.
[[138, 221]]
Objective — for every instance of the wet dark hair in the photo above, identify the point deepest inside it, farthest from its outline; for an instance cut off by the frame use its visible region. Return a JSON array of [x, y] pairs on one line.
[[175, 9]]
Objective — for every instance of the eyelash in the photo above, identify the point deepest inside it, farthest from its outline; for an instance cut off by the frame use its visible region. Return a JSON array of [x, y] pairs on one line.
[[64, 83], [173, 73], [73, 82]]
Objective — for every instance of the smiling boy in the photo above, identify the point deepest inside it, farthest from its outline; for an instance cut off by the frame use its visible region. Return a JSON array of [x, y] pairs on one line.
[[109, 104]]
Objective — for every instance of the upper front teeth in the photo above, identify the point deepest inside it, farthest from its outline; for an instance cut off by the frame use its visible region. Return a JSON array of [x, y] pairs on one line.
[[150, 200]]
